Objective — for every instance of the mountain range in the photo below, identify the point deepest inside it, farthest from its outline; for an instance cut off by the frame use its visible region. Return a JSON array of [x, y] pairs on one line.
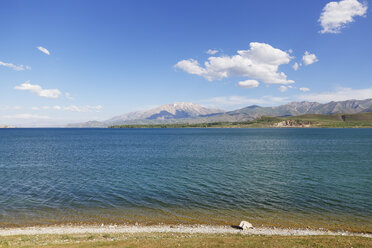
[[182, 112], [167, 113]]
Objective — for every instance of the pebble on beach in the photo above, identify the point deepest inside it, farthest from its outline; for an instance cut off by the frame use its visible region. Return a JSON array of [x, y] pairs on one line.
[[245, 225]]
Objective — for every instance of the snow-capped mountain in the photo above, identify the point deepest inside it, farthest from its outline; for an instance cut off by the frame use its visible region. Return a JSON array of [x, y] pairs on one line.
[[193, 113], [175, 110]]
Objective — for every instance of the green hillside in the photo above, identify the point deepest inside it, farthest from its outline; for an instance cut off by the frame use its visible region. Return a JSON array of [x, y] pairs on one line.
[[360, 120], [336, 120]]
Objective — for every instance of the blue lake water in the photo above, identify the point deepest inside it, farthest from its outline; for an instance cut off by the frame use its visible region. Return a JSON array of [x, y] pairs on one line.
[[288, 177]]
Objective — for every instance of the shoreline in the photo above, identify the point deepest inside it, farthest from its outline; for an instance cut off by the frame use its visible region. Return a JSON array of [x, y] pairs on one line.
[[189, 229]]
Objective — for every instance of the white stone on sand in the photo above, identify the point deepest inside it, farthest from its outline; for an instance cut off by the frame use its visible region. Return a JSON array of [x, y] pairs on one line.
[[245, 225]]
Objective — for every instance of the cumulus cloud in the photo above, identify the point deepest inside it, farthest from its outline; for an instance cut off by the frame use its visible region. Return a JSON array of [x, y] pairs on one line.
[[37, 89], [43, 50], [212, 51], [304, 89], [336, 15], [309, 58], [25, 116], [295, 66], [283, 89], [340, 94], [260, 62], [15, 67], [249, 84]]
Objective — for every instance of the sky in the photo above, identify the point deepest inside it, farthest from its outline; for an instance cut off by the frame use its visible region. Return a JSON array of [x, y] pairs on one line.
[[71, 61]]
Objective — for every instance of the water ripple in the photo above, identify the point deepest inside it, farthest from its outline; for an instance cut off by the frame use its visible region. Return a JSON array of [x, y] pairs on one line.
[[57, 175]]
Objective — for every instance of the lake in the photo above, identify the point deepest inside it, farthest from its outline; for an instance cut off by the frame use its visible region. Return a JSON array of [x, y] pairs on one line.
[[277, 177]]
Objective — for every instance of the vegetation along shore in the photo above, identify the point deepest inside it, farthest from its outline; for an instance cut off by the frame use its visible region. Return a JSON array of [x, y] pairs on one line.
[[359, 120]]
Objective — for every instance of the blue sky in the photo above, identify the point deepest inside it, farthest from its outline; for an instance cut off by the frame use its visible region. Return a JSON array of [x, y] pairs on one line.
[[110, 57]]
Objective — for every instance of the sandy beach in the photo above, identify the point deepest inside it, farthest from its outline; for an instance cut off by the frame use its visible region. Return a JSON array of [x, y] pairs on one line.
[[189, 229]]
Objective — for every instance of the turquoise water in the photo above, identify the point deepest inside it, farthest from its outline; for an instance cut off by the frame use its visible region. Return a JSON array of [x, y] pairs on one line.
[[278, 176]]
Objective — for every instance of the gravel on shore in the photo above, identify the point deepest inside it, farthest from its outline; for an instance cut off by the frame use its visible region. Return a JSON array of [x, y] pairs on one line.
[[200, 229]]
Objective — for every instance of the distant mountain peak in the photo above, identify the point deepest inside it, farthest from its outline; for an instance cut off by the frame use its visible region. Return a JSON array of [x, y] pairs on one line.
[[176, 110], [172, 108], [254, 106], [194, 113], [182, 104]]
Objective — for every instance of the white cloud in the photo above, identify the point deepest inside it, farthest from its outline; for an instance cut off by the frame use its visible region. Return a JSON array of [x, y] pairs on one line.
[[260, 62], [295, 66], [275, 99], [7, 108], [73, 108], [340, 94], [212, 51], [44, 50], [249, 84], [87, 108], [236, 101], [304, 89], [15, 67], [229, 101], [283, 89], [34, 88], [336, 15], [309, 58], [25, 116]]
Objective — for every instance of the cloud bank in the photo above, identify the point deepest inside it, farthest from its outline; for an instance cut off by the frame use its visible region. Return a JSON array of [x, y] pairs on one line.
[[232, 102], [260, 62], [73, 108], [340, 94], [26, 116]]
